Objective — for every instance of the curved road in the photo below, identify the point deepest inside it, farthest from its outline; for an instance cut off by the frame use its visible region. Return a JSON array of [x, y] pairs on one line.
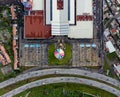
[[60, 71], [62, 79]]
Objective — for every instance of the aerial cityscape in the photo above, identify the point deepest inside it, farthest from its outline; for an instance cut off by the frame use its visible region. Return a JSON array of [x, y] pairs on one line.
[[59, 48]]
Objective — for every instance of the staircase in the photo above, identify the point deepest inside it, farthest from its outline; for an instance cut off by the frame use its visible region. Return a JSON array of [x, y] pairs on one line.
[[60, 28]]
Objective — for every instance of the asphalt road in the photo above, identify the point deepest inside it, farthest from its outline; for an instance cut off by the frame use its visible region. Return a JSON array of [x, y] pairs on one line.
[[60, 71], [100, 28], [62, 79]]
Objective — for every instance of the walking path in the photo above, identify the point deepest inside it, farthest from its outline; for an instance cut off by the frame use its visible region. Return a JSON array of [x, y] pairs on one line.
[[61, 71], [62, 79]]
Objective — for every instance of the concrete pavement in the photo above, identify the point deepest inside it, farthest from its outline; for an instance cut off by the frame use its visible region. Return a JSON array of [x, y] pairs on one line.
[[63, 79], [61, 71]]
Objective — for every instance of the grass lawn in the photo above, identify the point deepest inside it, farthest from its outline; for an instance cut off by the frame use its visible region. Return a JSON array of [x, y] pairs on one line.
[[1, 76], [54, 61], [65, 90], [112, 56], [106, 66], [7, 76]]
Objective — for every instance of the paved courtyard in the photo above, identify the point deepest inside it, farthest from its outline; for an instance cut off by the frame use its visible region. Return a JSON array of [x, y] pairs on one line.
[[85, 54], [33, 54]]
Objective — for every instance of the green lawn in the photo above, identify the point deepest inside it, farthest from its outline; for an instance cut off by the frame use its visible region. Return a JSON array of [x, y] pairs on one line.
[[7, 76], [54, 61], [112, 56], [106, 66], [1, 76], [64, 90]]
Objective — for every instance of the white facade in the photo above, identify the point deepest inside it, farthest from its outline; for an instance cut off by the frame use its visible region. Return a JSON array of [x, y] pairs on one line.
[[48, 12], [37, 4], [60, 15], [82, 29], [110, 46], [84, 6], [72, 12], [61, 20], [60, 23]]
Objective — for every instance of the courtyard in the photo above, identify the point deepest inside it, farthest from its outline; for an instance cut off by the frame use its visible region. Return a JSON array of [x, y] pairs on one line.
[[75, 55], [33, 54], [85, 54]]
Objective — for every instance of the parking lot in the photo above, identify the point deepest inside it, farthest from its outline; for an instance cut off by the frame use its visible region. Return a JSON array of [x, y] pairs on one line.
[[33, 54], [85, 54]]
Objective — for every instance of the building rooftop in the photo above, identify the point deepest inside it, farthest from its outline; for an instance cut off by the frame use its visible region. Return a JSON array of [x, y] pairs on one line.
[[34, 26], [4, 57], [110, 46], [66, 17]]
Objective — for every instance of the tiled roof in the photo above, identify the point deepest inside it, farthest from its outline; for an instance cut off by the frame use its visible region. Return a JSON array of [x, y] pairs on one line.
[[34, 26], [84, 18]]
